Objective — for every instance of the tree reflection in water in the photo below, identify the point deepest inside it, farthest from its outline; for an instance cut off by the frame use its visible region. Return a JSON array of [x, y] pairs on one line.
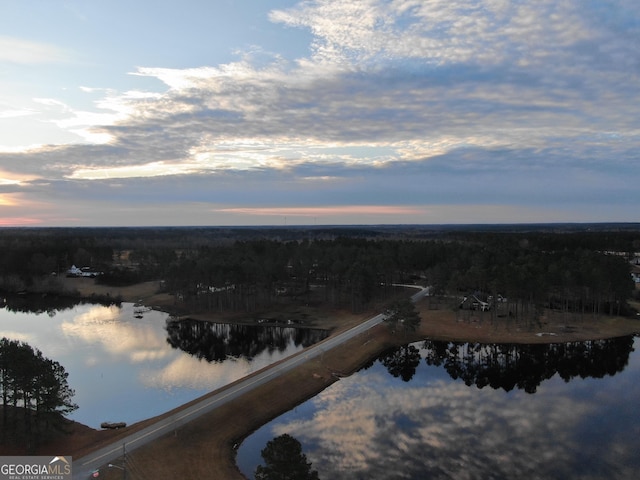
[[509, 366], [402, 361], [284, 460], [445, 424], [216, 342], [52, 304]]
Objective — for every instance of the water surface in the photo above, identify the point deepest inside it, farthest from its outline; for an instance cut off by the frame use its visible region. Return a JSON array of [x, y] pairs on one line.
[[471, 411], [130, 363]]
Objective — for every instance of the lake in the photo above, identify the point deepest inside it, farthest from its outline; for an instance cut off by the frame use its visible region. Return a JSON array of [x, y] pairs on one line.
[[128, 363], [470, 411]]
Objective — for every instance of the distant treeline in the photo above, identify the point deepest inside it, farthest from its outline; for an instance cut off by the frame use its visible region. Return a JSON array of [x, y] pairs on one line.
[[570, 267]]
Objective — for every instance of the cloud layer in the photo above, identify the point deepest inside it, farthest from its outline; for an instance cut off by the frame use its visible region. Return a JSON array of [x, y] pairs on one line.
[[510, 111]]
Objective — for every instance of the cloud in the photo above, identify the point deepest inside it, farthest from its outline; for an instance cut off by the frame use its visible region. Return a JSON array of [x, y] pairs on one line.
[[333, 210], [432, 108], [154, 169], [462, 97], [14, 335], [440, 32], [7, 201], [16, 113], [26, 52]]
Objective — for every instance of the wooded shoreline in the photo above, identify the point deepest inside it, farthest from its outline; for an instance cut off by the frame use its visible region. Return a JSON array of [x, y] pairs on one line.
[[213, 452], [563, 286]]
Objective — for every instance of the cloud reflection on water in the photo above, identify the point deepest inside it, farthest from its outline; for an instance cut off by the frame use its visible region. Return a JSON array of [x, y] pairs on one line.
[[188, 372], [103, 327], [372, 425], [139, 341], [445, 428], [122, 367]]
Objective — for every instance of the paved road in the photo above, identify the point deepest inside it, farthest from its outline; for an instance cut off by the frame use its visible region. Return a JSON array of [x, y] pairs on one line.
[[84, 467]]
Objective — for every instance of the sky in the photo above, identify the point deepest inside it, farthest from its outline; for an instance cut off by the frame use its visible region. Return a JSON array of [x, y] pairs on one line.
[[239, 112]]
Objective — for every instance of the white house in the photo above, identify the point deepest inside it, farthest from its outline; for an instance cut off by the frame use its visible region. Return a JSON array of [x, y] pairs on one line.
[[82, 272], [74, 271]]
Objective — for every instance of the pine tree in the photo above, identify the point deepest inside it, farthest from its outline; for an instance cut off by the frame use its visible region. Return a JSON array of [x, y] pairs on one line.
[[284, 460]]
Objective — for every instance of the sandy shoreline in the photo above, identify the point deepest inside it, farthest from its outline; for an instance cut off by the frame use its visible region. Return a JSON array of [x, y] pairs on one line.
[[205, 448]]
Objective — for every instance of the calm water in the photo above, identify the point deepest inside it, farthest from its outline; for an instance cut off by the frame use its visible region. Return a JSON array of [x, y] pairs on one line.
[[126, 368], [470, 411]]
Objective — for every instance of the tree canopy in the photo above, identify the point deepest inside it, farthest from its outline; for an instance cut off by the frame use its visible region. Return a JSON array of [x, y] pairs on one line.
[[581, 269], [284, 460], [34, 391], [402, 315]]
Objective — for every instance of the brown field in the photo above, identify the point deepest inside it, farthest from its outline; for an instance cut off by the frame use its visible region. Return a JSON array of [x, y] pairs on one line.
[[205, 448]]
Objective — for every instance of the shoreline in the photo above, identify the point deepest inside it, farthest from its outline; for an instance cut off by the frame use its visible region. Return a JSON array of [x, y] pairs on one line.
[[206, 448], [195, 449]]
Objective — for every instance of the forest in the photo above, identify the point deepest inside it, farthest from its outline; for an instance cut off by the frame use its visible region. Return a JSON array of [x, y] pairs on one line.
[[572, 268]]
